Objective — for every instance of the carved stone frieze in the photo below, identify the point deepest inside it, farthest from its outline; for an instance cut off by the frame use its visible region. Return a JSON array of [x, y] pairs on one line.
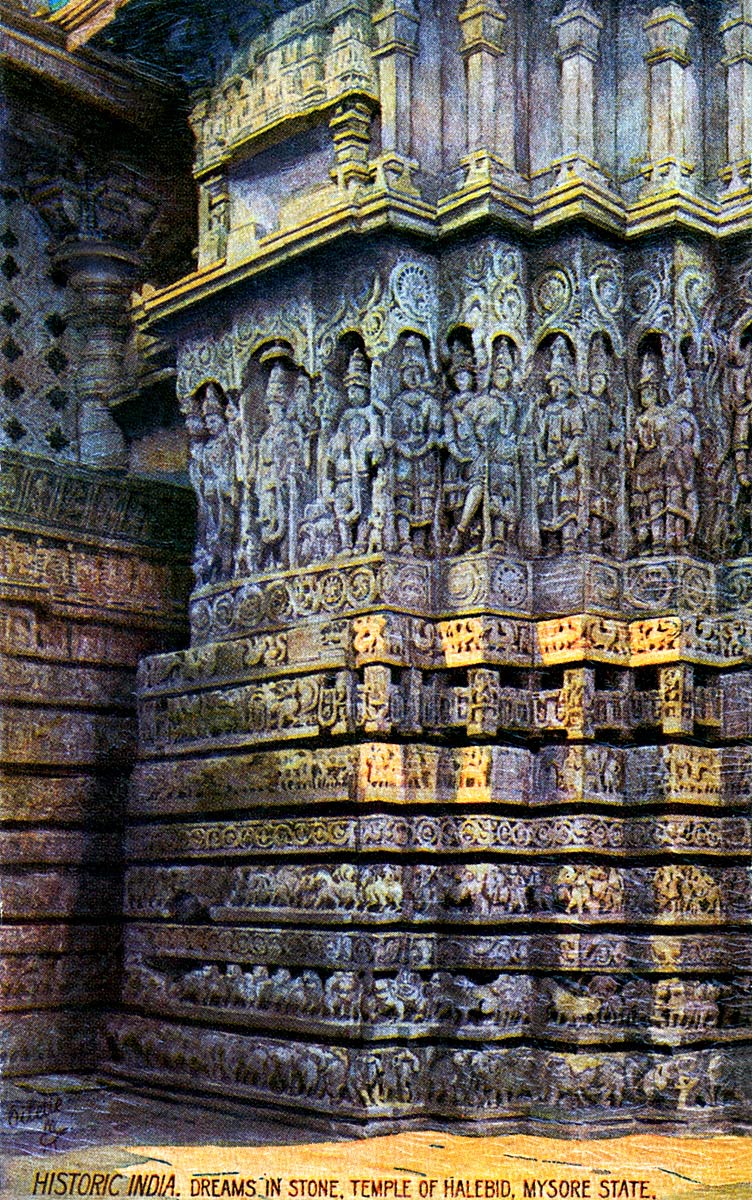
[[415, 774], [456, 766], [409, 1002], [51, 498], [379, 833], [482, 1082], [478, 893], [656, 955]]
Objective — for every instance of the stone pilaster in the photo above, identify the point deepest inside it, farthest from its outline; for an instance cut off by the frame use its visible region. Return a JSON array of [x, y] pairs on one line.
[[668, 166], [737, 40], [350, 127], [578, 29], [213, 219], [489, 73], [395, 25]]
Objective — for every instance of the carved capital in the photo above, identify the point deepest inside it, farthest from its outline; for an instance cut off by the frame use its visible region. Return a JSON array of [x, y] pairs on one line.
[[668, 29], [578, 28], [736, 30], [395, 24], [482, 23], [76, 202]]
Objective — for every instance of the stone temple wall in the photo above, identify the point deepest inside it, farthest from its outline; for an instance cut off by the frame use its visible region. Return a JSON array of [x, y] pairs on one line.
[[92, 578], [445, 812], [444, 815], [94, 566]]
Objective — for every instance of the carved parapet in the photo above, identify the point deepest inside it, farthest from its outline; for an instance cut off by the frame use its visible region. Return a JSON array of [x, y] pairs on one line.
[[307, 62]]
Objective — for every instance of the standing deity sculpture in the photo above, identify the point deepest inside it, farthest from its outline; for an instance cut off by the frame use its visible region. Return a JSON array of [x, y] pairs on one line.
[[604, 455], [481, 438], [414, 437], [561, 455], [214, 474], [354, 461], [683, 510], [197, 434], [464, 472], [279, 476], [663, 447]]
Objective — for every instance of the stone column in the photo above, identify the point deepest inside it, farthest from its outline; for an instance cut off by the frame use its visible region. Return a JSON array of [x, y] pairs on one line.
[[737, 40], [101, 275], [668, 30], [482, 23], [577, 29], [395, 25]]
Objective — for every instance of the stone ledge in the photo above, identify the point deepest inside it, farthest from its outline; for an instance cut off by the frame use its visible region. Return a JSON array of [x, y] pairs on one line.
[[58, 499]]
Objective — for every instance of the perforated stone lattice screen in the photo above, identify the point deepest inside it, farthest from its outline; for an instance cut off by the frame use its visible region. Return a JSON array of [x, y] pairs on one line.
[[38, 405]]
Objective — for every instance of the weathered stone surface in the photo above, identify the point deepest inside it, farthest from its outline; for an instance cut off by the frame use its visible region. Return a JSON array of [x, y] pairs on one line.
[[60, 894], [35, 981], [91, 580], [431, 1080], [45, 1042], [87, 800]]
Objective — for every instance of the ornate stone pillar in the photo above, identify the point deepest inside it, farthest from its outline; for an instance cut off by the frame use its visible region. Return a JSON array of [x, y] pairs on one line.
[[577, 29], [737, 40], [668, 166], [101, 275]]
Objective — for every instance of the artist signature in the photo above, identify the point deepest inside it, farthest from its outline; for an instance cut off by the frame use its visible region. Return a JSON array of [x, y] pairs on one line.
[[34, 1110]]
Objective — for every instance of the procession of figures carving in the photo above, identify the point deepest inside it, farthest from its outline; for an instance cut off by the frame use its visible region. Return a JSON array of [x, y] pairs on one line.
[[525, 452], [503, 1005], [480, 893], [476, 1081]]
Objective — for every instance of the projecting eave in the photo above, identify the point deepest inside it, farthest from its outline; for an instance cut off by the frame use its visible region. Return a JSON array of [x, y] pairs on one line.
[[42, 48], [376, 211]]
